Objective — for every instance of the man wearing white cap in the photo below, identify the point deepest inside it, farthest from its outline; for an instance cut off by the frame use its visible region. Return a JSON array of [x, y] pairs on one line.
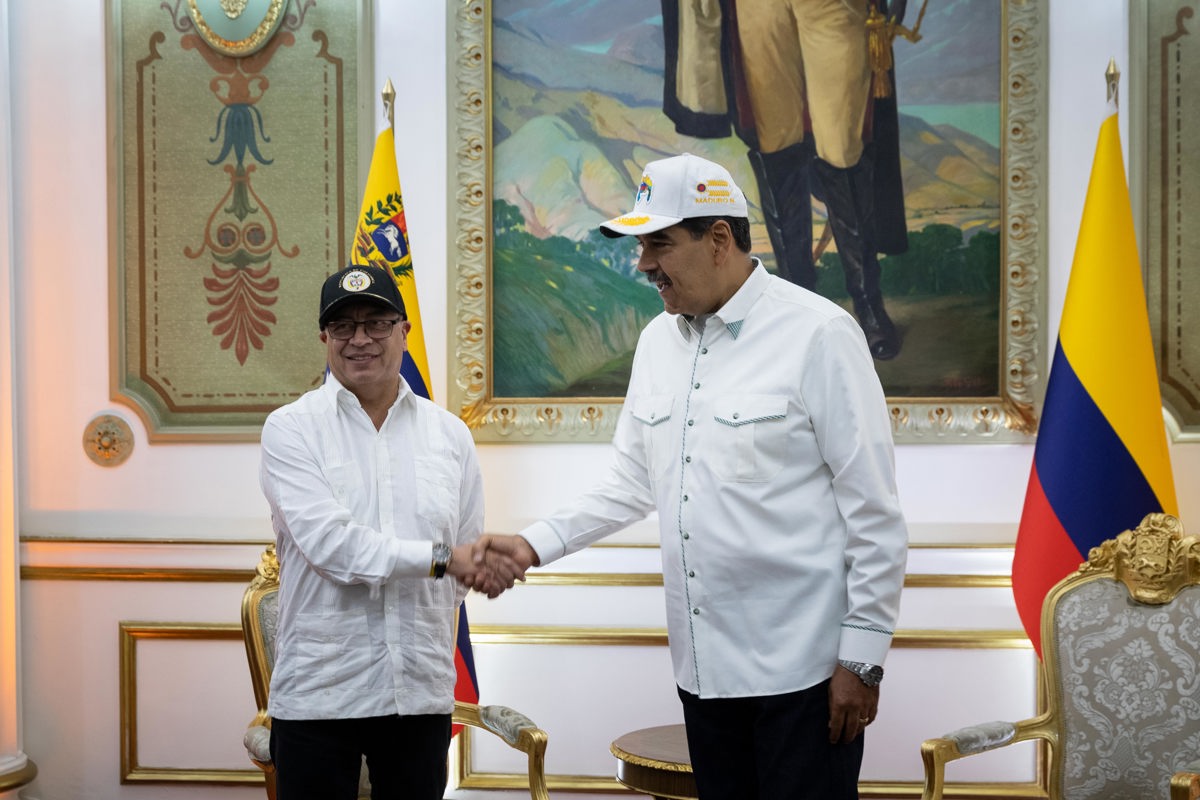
[[756, 426]]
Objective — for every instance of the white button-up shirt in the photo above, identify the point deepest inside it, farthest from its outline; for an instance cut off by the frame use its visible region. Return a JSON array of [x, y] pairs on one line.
[[764, 443], [363, 629]]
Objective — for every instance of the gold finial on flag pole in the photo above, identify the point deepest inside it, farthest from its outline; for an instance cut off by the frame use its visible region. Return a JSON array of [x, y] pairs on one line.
[[1112, 77], [389, 102]]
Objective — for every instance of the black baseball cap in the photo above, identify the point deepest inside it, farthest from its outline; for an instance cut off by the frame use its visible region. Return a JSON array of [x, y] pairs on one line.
[[359, 283]]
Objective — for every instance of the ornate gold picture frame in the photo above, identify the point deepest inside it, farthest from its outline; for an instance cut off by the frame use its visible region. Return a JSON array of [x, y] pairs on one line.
[[1164, 49], [1007, 412]]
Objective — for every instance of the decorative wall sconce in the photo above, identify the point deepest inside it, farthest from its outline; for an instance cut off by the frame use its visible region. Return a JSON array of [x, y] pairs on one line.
[[107, 440]]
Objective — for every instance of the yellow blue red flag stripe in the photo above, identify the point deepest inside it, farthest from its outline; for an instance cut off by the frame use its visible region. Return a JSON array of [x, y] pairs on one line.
[[1101, 462], [381, 240]]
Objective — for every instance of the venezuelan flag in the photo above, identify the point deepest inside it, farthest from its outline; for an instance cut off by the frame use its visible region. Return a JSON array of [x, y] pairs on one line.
[[1101, 461], [381, 240]]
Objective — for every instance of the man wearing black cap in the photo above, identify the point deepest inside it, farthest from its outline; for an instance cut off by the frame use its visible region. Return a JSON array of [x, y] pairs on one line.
[[375, 497], [756, 427]]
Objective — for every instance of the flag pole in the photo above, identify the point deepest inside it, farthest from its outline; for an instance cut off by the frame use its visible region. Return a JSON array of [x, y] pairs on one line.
[[1112, 77], [389, 102]]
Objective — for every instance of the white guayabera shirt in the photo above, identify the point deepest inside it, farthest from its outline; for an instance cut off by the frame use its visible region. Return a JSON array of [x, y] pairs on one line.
[[763, 441], [363, 629]]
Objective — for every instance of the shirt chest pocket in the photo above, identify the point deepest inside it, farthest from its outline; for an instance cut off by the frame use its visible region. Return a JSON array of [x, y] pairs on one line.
[[436, 490], [651, 413], [750, 436]]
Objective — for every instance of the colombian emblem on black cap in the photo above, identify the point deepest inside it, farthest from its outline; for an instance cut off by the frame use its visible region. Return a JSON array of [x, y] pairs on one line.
[[356, 280]]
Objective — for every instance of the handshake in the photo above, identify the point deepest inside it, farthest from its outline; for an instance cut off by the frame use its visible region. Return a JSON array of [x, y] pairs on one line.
[[492, 563]]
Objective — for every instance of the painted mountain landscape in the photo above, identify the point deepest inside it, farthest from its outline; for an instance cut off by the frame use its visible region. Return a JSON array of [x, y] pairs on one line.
[[577, 90]]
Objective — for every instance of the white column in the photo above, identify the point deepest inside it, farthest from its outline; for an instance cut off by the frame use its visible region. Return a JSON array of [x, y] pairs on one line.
[[15, 767]]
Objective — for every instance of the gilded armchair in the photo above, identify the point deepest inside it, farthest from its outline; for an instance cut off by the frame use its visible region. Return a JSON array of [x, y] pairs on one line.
[[1121, 667], [260, 608]]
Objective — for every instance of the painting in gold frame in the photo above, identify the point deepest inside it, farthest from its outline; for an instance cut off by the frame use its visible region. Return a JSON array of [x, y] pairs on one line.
[[1003, 407]]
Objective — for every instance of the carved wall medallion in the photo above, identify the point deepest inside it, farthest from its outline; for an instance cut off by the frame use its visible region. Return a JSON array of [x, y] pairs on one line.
[[236, 27], [107, 440]]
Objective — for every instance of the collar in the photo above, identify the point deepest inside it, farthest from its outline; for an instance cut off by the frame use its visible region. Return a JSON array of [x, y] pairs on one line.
[[734, 312], [338, 395]]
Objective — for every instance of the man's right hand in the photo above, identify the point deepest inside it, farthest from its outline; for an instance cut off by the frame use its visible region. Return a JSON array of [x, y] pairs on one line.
[[499, 562]]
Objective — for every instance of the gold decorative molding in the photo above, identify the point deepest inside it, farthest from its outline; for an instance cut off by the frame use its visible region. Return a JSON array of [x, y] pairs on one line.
[[127, 540], [933, 581], [626, 579], [131, 770], [108, 440], [568, 635], [18, 777], [576, 579], [164, 575], [1011, 416]]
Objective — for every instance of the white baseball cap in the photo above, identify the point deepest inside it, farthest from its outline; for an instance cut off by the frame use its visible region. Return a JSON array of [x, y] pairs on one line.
[[678, 188]]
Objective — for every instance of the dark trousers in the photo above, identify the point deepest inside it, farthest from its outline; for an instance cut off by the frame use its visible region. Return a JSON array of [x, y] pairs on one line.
[[321, 759], [769, 748]]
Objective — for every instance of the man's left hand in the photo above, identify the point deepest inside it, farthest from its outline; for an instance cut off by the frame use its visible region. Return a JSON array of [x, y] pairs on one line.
[[852, 705]]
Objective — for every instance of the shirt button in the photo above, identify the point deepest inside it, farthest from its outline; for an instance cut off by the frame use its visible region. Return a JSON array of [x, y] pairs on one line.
[[691, 573], [695, 611], [688, 459], [703, 351], [691, 422], [686, 535], [696, 385], [736, 415], [685, 498]]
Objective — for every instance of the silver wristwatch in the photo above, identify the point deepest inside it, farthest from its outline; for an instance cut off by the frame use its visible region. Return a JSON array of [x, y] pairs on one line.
[[441, 560], [870, 674]]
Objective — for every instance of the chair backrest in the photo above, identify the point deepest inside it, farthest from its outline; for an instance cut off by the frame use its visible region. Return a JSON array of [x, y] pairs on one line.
[[1121, 650], [260, 617]]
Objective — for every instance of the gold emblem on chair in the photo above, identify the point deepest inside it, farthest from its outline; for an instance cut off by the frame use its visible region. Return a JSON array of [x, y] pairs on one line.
[[1154, 562]]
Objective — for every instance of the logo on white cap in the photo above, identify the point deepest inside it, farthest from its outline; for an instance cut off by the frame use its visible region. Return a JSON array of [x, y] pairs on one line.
[[678, 188], [643, 192]]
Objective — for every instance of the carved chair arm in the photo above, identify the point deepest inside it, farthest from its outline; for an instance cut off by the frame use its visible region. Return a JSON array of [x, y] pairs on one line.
[[974, 739]]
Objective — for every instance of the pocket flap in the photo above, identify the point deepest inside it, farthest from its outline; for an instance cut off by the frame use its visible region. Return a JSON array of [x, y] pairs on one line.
[[651, 409], [743, 409]]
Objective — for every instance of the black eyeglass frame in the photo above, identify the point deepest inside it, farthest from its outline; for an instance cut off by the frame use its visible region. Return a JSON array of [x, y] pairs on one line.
[[380, 332]]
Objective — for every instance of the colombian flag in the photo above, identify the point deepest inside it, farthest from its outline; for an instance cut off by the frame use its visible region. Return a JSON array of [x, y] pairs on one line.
[[381, 240], [1101, 461]]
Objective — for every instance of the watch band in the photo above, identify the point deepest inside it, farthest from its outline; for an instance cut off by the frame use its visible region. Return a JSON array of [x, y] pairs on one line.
[[870, 674], [441, 560]]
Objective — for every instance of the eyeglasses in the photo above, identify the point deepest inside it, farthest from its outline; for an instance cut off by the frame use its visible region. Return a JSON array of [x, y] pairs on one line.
[[375, 328]]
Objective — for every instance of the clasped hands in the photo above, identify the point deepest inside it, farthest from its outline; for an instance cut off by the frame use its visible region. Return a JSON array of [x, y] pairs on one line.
[[492, 563]]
